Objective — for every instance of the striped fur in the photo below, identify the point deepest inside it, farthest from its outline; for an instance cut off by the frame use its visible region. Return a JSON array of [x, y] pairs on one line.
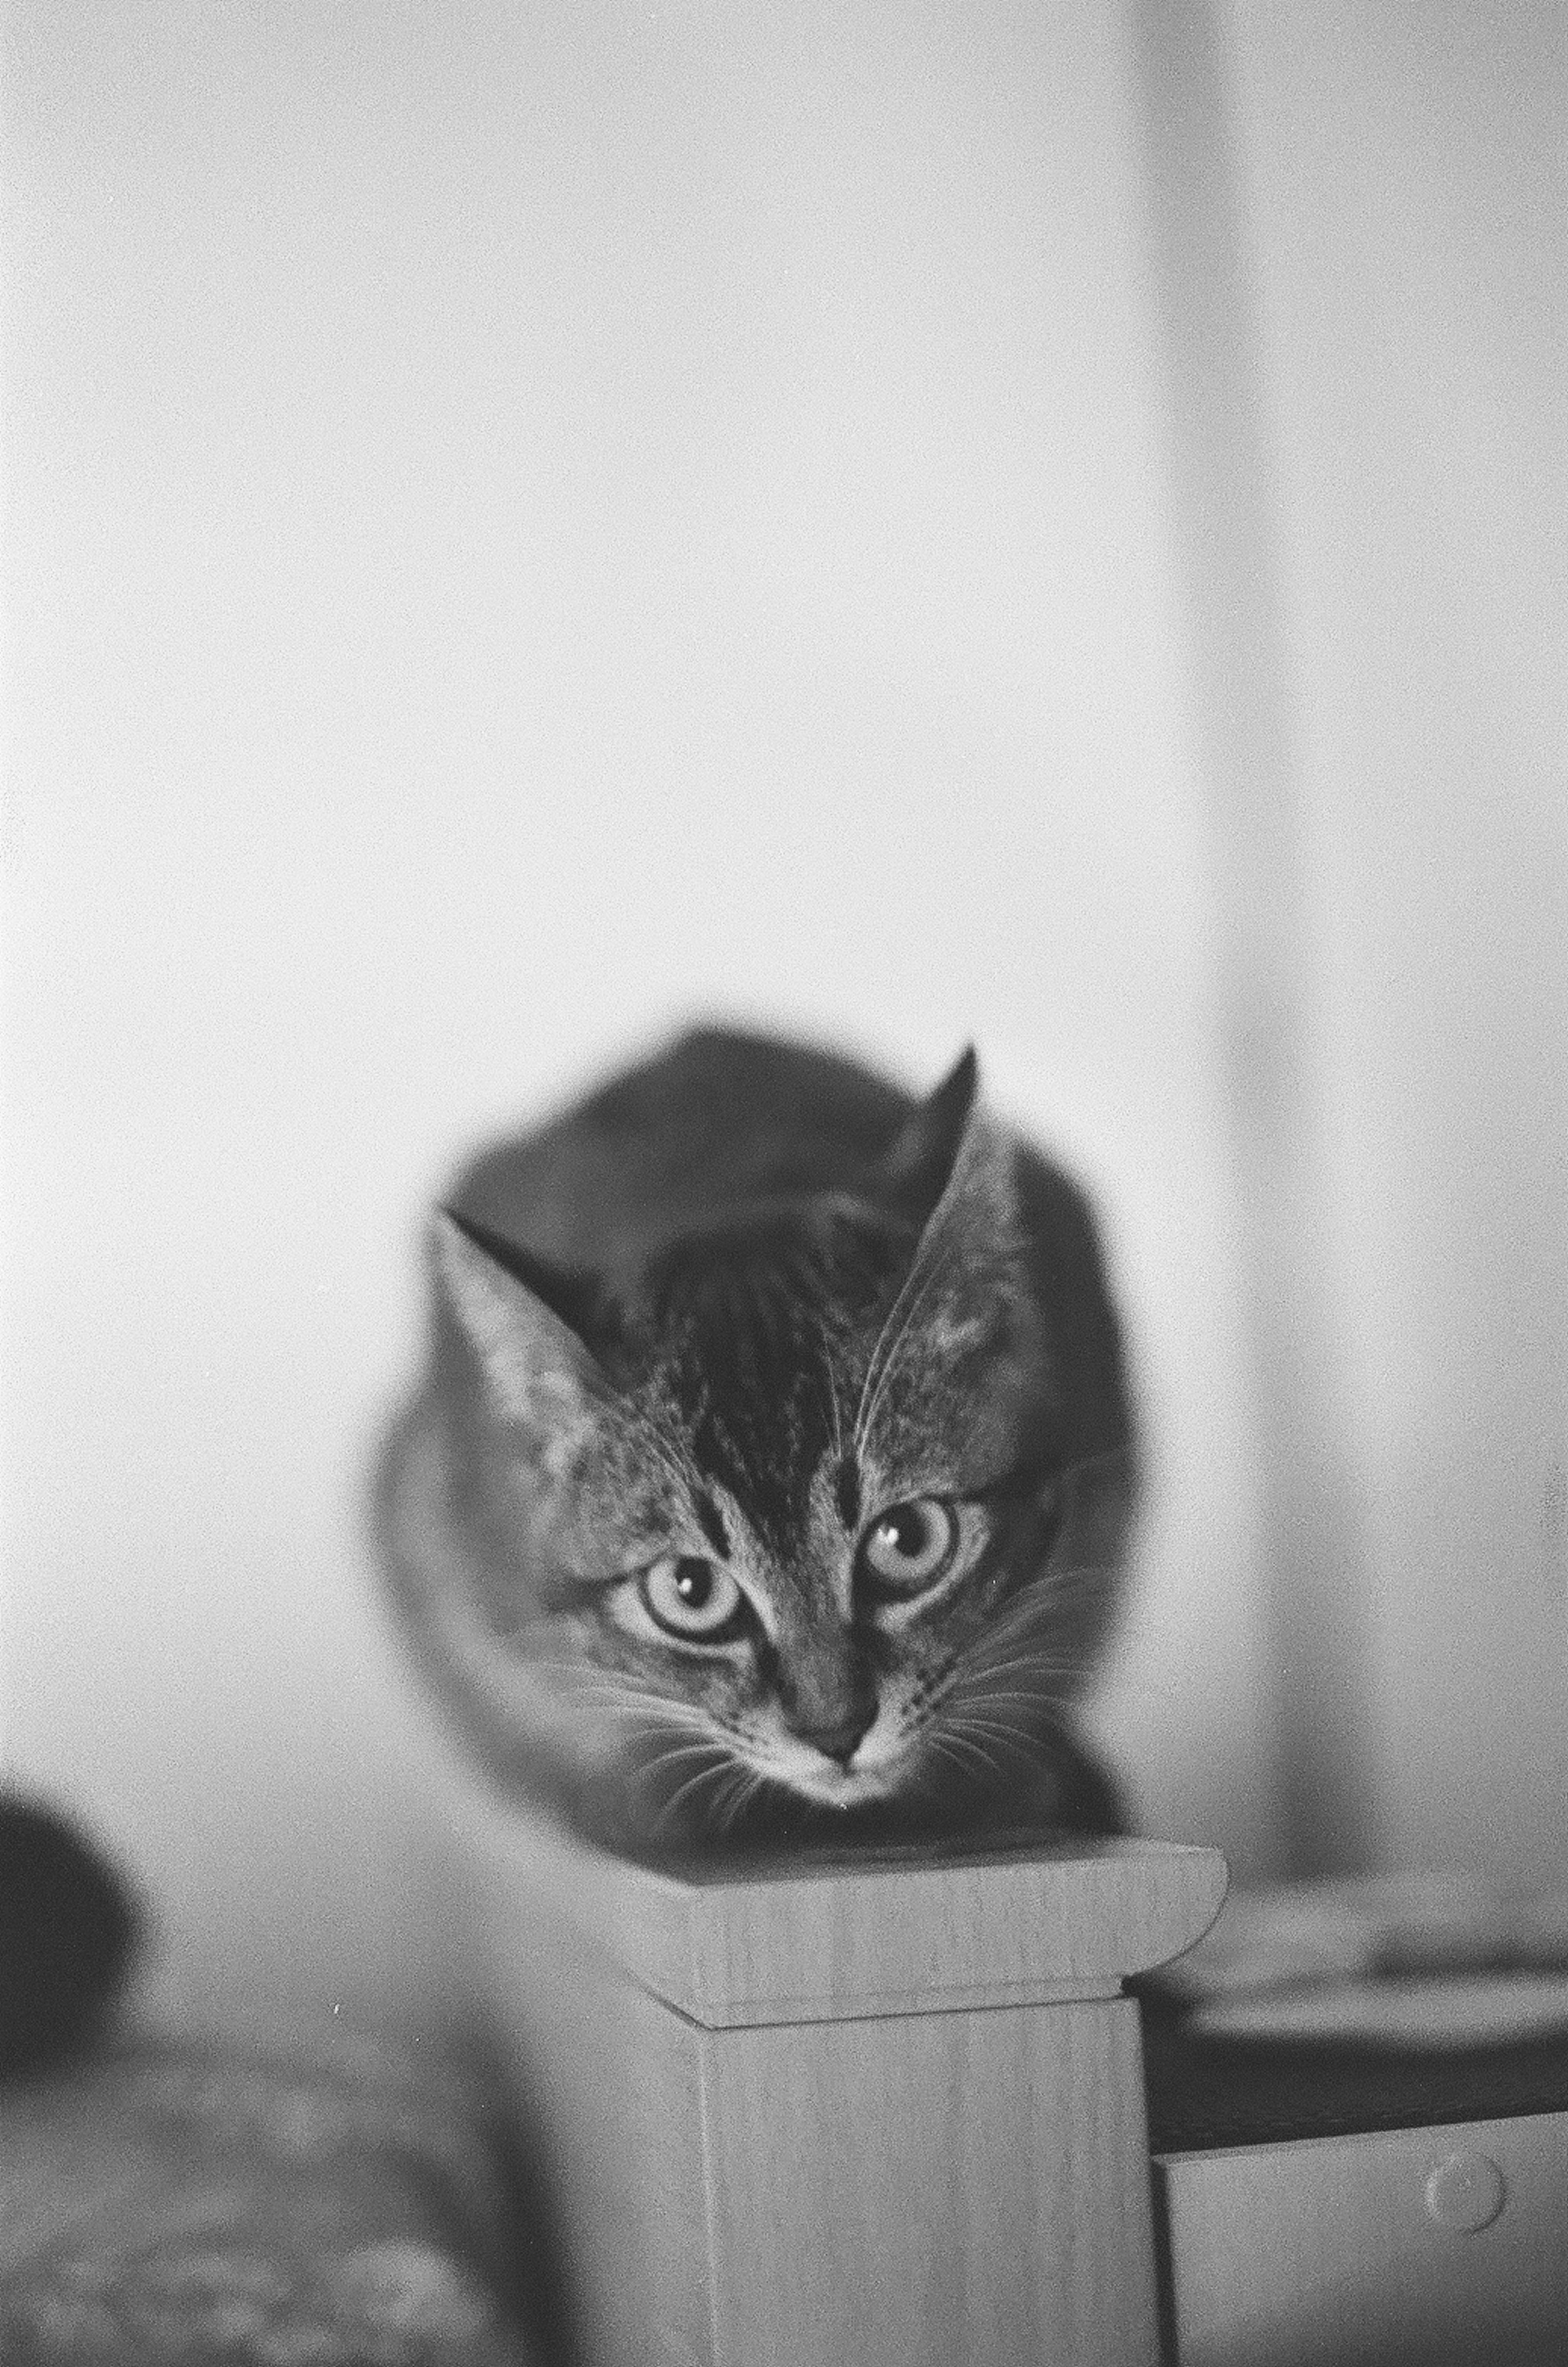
[[723, 1319]]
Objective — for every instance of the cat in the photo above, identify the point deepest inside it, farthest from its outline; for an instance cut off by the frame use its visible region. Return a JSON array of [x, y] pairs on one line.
[[772, 1471]]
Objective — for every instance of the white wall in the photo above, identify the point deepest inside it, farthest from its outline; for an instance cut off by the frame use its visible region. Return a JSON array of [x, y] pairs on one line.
[[1403, 174], [524, 522], [920, 522]]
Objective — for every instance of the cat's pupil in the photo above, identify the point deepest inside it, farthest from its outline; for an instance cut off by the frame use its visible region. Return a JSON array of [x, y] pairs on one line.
[[905, 1532], [694, 1582]]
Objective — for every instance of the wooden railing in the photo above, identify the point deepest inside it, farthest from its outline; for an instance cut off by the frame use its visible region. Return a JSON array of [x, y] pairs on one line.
[[843, 2113]]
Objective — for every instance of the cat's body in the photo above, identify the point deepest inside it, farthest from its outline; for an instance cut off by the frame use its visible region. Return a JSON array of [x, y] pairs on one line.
[[772, 1464]]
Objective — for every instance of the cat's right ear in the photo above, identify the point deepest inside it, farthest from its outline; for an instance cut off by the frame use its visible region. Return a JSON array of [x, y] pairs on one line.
[[513, 1310]]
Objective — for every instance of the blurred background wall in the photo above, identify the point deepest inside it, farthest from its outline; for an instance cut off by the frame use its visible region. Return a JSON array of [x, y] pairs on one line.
[[1403, 183], [915, 522]]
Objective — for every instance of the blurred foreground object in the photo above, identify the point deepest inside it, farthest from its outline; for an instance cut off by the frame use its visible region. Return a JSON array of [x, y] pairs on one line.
[[169, 2202], [68, 1930]]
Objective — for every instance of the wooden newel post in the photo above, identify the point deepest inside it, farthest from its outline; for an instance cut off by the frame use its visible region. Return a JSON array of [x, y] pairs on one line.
[[855, 2114]]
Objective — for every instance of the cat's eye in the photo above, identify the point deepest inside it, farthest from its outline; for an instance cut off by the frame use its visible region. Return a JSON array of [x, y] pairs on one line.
[[907, 1547], [692, 1597]]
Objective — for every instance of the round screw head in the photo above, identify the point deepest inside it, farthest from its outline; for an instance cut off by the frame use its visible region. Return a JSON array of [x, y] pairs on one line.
[[1465, 2191]]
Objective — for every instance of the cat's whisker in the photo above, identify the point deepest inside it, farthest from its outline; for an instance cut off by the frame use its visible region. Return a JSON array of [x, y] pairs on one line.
[[983, 1678], [636, 1727], [693, 1784], [959, 1741], [947, 1749], [1050, 1587], [585, 1681], [1037, 1631], [1040, 1680], [631, 1719], [987, 1662], [604, 1685], [1038, 1627], [1045, 1684], [1020, 1632], [657, 1704], [1043, 1582], [740, 1798], [581, 1675], [994, 1705], [725, 1793], [998, 1733], [1035, 1714], [679, 1756], [1000, 1730], [1057, 1576]]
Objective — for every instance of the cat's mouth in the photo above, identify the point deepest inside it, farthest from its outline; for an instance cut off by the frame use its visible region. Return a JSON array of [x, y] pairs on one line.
[[871, 1775], [838, 1787]]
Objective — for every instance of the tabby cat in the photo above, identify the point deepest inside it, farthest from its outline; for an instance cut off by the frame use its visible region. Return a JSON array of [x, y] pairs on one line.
[[772, 1469]]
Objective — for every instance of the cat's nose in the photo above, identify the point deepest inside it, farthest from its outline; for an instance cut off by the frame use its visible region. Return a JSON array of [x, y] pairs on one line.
[[841, 1738]]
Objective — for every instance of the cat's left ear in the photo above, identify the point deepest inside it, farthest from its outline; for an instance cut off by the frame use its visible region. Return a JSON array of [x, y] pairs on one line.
[[925, 1152], [953, 1170], [950, 1168], [959, 1355]]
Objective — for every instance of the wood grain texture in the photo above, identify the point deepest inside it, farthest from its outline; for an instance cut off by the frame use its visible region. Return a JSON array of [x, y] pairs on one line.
[[1324, 2253], [931, 2189], [897, 1931], [606, 2092], [803, 2117]]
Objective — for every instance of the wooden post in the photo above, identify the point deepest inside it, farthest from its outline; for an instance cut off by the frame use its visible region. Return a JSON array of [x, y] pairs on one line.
[[849, 2112]]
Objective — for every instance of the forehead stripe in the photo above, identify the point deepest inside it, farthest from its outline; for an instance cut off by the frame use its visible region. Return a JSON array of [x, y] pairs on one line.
[[846, 1490], [713, 1523]]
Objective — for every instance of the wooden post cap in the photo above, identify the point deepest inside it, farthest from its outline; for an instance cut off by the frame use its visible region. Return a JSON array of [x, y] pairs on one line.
[[834, 1936]]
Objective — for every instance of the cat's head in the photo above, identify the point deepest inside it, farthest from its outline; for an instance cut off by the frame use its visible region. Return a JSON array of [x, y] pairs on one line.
[[783, 1513]]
